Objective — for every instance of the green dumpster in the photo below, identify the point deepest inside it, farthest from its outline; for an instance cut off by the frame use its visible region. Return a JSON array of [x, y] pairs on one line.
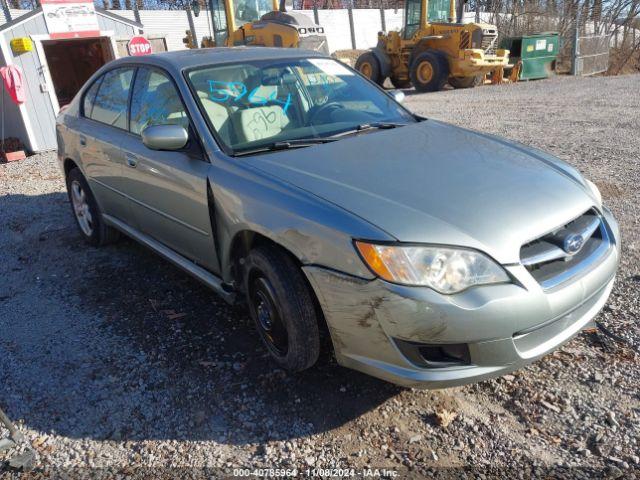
[[538, 53]]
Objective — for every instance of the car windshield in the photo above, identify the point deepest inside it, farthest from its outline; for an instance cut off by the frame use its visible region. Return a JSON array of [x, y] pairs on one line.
[[255, 105]]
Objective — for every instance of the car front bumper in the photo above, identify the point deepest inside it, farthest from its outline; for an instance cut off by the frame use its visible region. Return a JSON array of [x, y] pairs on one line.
[[502, 327]]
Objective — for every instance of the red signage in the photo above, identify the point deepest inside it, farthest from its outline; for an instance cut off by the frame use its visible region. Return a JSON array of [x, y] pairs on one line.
[[139, 46]]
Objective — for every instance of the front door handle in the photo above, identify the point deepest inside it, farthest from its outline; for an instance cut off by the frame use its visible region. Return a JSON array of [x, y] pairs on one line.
[[132, 161]]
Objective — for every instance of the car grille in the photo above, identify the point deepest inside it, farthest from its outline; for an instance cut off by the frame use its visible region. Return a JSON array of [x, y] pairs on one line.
[[489, 40], [489, 43], [568, 251]]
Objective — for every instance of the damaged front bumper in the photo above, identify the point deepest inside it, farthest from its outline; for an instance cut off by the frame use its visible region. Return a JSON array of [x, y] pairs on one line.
[[416, 337]]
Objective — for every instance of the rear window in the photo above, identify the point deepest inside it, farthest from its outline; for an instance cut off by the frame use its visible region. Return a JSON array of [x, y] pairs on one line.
[[90, 98], [110, 105]]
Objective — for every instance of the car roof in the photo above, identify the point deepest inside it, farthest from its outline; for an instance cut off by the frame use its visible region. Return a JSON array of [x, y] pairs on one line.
[[179, 60]]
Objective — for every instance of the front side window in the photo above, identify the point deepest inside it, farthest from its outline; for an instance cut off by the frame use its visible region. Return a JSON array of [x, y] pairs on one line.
[[251, 10], [155, 101], [438, 10], [412, 20], [110, 106], [254, 104], [219, 22]]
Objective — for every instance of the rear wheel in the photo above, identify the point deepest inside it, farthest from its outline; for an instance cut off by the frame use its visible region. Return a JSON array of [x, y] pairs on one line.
[[465, 82], [281, 305], [429, 71], [86, 211], [369, 66]]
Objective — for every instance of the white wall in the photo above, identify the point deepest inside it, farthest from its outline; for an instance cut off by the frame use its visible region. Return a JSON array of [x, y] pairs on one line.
[[172, 24], [14, 14]]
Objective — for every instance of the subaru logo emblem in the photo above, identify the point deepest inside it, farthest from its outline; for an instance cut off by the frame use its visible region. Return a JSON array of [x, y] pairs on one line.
[[573, 244]]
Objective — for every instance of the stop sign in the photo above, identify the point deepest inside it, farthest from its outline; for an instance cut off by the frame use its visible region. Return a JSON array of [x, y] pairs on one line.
[[139, 46]]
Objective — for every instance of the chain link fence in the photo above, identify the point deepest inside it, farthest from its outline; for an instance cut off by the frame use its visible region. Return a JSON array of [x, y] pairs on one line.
[[591, 55]]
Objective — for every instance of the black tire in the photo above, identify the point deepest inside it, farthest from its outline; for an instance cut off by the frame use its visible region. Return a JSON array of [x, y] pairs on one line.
[[465, 82], [397, 83], [99, 234], [436, 63], [273, 282], [369, 67]]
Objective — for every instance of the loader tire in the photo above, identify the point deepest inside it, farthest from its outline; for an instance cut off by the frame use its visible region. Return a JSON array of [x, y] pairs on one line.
[[369, 67], [397, 83], [429, 71], [465, 82]]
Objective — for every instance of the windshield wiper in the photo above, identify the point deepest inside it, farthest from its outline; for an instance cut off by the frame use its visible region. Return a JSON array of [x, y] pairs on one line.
[[363, 127], [286, 145]]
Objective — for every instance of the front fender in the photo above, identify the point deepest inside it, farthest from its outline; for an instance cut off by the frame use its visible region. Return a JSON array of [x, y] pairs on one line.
[[315, 231], [383, 60]]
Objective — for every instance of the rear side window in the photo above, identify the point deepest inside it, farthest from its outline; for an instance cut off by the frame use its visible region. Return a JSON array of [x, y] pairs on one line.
[[90, 98], [110, 105], [155, 101]]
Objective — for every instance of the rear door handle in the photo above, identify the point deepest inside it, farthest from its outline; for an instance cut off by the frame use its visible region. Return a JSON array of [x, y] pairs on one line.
[[83, 140], [132, 161]]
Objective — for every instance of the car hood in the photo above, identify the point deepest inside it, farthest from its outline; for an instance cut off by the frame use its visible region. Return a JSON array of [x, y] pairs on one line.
[[432, 182]]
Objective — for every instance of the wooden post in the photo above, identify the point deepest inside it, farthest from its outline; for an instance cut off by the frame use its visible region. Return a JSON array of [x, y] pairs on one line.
[[192, 26], [353, 33], [6, 11], [136, 12], [575, 50]]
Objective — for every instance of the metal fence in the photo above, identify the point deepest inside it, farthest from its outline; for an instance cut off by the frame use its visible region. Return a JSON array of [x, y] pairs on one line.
[[591, 54]]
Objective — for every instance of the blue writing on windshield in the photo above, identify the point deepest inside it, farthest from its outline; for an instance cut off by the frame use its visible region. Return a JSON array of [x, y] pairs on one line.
[[236, 91]]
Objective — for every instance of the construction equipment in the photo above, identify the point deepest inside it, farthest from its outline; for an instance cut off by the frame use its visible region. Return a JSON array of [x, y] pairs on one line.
[[433, 49], [23, 461], [263, 23]]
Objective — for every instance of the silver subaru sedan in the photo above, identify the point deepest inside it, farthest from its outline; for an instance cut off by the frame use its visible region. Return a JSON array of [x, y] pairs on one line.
[[431, 255]]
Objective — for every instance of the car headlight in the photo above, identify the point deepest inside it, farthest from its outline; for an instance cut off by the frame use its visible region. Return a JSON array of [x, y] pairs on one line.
[[594, 189], [446, 270]]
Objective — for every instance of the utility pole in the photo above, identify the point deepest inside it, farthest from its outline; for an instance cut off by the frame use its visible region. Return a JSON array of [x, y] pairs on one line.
[[192, 26], [136, 12], [575, 51], [6, 11]]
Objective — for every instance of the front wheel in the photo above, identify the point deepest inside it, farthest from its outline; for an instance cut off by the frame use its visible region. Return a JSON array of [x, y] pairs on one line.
[[281, 305], [429, 71]]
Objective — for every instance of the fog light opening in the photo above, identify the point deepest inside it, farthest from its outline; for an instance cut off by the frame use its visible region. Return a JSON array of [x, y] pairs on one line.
[[435, 356]]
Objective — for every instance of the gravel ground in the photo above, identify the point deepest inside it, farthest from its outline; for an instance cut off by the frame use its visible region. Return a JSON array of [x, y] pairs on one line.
[[113, 361]]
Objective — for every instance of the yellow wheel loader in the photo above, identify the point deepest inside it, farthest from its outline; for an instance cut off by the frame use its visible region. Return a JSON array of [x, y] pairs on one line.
[[433, 49], [263, 23]]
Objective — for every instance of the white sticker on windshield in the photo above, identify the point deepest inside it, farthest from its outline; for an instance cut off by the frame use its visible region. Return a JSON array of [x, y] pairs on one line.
[[330, 67]]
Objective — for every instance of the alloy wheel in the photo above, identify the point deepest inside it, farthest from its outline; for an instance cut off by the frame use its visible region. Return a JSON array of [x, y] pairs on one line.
[[81, 208]]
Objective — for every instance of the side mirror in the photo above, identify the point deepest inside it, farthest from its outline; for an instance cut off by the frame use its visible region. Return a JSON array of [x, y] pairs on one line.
[[397, 95], [165, 137]]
